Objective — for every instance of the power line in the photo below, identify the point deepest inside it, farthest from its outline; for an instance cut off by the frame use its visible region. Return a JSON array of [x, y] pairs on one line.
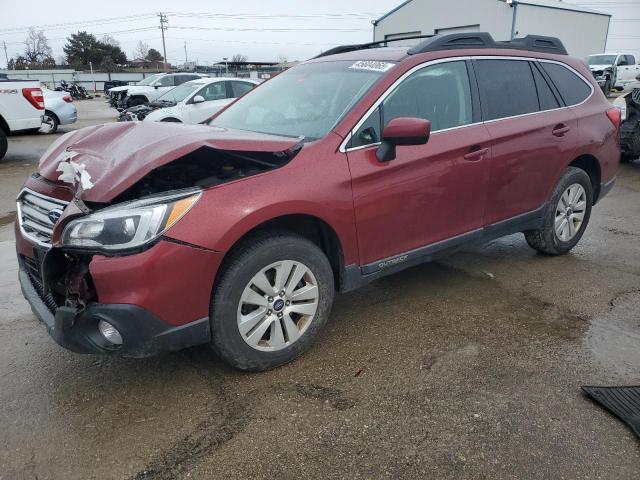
[[91, 23], [253, 29]]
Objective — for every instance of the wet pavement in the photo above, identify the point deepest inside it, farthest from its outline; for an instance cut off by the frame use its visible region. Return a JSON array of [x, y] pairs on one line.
[[465, 368]]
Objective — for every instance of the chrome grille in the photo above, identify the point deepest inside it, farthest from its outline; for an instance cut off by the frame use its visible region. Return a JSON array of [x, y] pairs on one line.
[[33, 215], [636, 95]]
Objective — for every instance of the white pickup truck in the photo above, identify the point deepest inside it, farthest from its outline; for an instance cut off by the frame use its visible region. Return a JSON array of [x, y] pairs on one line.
[[21, 108], [614, 70]]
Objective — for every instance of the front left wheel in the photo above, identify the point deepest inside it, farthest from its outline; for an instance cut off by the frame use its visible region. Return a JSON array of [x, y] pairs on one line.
[[272, 299]]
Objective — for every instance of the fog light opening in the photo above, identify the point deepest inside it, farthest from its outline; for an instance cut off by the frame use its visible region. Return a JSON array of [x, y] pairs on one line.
[[110, 333]]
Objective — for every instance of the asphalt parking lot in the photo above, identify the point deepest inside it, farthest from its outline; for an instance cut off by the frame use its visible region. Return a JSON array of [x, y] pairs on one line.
[[466, 368]]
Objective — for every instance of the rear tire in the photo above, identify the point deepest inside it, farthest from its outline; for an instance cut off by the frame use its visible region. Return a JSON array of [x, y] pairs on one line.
[[271, 301], [50, 123], [567, 214], [4, 144]]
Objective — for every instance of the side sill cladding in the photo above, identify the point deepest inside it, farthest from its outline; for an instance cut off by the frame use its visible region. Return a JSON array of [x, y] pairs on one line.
[[354, 276]]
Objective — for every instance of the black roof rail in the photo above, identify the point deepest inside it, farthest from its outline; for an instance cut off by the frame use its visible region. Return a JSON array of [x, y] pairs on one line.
[[366, 46], [453, 41]]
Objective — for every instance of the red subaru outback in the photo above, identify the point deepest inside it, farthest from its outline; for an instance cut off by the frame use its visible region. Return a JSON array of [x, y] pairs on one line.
[[137, 238]]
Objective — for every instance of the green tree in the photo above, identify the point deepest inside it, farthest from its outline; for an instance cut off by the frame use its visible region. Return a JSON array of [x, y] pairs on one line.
[[154, 55], [80, 49], [83, 47]]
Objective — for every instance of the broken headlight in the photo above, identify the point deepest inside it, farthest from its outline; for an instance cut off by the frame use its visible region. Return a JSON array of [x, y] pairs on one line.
[[128, 225]]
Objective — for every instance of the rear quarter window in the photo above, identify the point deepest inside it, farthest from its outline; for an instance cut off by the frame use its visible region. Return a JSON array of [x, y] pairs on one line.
[[572, 88]]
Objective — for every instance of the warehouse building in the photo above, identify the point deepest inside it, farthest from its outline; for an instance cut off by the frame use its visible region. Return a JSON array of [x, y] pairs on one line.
[[584, 31]]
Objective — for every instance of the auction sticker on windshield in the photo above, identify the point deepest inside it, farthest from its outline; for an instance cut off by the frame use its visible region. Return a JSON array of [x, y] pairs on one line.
[[371, 65]]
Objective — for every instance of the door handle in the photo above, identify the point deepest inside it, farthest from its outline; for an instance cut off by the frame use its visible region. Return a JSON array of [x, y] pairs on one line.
[[476, 154], [560, 130]]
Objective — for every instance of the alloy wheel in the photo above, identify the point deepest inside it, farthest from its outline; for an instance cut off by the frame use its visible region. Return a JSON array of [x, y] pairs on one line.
[[47, 124], [570, 212], [278, 305]]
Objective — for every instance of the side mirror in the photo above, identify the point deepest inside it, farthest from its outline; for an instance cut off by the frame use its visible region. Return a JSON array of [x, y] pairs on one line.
[[197, 99], [156, 86], [402, 131]]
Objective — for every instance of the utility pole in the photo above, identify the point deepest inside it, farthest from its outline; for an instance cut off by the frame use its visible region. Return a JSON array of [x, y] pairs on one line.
[[5, 54], [163, 27], [185, 54]]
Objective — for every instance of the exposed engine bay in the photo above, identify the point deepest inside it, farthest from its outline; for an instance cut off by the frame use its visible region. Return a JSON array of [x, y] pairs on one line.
[[205, 167], [140, 112]]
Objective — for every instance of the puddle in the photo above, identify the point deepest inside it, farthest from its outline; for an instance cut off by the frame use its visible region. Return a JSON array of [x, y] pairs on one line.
[[7, 219], [614, 338]]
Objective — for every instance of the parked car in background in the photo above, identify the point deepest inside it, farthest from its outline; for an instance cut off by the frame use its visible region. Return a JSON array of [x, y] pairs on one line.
[[58, 110], [21, 108], [143, 92], [614, 70], [109, 84], [116, 95], [339, 171], [629, 106], [192, 102]]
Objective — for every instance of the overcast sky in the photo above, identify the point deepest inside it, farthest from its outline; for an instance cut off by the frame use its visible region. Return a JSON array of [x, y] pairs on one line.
[[240, 26], [208, 38]]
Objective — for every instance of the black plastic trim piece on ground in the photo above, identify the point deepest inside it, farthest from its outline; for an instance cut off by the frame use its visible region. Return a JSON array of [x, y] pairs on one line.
[[623, 402]]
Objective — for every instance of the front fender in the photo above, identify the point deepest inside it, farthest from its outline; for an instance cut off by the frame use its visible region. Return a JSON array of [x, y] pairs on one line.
[[306, 186]]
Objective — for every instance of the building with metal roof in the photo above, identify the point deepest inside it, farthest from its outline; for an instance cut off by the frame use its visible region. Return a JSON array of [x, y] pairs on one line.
[[583, 30]]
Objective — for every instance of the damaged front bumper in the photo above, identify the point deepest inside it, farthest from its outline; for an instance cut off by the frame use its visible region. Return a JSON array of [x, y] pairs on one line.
[[157, 300], [142, 332]]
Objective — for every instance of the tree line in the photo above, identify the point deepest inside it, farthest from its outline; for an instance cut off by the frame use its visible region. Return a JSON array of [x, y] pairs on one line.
[[81, 50]]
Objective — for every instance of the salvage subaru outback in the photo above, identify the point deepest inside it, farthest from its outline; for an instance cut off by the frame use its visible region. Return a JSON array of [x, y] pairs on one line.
[[137, 238]]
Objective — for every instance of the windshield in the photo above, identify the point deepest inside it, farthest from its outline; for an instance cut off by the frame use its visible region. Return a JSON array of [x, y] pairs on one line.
[[305, 101], [602, 60], [149, 80], [179, 93]]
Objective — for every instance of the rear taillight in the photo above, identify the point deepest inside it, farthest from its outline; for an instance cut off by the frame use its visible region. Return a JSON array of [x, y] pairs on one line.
[[34, 96], [615, 115], [67, 98]]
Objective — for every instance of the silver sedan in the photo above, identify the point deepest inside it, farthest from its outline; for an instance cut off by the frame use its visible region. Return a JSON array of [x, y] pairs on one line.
[[58, 110]]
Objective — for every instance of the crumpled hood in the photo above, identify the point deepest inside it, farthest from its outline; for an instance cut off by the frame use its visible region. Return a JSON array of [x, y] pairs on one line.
[[117, 155], [119, 89], [595, 68], [133, 89]]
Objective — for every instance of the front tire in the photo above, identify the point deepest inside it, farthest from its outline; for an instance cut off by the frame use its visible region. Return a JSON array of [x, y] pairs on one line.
[[271, 301], [567, 214]]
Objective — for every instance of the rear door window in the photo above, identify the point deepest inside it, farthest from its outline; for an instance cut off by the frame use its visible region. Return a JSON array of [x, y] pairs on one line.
[[572, 88], [507, 88], [240, 88]]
